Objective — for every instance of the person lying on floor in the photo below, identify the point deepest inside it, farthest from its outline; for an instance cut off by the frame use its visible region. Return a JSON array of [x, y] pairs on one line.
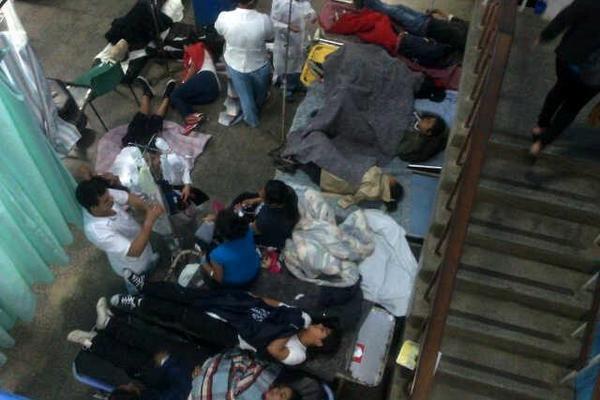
[[146, 124], [108, 225], [375, 186], [434, 24], [232, 259], [199, 85], [234, 318], [173, 174], [273, 213], [220, 378], [425, 137], [161, 368]]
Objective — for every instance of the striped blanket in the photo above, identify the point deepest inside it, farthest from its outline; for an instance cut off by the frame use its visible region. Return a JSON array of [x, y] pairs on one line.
[[235, 374]]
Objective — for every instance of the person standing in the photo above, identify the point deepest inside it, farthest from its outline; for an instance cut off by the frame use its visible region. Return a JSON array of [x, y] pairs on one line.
[[302, 12], [246, 32], [577, 70]]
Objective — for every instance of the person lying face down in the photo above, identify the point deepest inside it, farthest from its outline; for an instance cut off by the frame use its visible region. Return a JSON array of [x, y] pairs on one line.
[[234, 318]]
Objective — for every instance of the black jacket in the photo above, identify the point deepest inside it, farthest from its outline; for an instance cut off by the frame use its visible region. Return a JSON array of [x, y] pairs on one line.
[[581, 20]]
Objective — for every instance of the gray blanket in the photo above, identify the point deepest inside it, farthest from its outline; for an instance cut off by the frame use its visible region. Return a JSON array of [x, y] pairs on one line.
[[369, 101]]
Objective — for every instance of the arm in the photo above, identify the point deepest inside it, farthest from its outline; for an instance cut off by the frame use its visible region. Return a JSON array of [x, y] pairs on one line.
[[214, 270], [137, 246], [136, 202], [278, 349], [562, 21]]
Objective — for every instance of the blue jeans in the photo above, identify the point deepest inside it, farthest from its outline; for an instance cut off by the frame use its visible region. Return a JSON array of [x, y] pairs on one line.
[[201, 88], [252, 88], [413, 21]]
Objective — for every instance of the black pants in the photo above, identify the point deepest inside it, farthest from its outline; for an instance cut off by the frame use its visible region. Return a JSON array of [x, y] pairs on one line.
[[564, 101], [173, 304], [425, 52], [133, 349], [453, 32]]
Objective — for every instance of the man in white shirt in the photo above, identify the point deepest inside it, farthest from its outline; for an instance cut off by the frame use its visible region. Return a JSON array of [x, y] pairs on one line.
[[108, 225], [246, 32]]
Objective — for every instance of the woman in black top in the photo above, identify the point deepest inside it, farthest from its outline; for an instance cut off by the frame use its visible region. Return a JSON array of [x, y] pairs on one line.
[[276, 213], [577, 69]]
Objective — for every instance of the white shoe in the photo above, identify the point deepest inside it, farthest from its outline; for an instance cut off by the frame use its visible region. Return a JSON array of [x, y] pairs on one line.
[[103, 313], [83, 338]]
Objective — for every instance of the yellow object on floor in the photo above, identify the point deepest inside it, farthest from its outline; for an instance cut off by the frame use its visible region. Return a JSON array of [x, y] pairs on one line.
[[409, 353], [317, 54]]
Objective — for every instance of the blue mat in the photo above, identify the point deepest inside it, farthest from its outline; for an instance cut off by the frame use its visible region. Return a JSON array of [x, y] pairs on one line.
[[415, 210]]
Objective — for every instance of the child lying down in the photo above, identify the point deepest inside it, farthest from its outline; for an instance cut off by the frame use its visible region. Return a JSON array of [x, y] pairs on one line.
[[166, 368], [233, 318]]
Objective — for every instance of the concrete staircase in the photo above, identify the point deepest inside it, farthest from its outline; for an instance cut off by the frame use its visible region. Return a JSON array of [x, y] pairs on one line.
[[527, 255]]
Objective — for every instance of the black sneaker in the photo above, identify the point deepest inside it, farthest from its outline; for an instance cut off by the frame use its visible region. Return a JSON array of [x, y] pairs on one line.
[[171, 84], [125, 302], [136, 280], [145, 85]]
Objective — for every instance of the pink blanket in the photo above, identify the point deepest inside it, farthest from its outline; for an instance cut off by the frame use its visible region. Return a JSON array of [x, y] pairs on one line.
[[190, 147]]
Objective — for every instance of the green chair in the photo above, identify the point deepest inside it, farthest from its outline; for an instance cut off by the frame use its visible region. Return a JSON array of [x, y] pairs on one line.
[[102, 78]]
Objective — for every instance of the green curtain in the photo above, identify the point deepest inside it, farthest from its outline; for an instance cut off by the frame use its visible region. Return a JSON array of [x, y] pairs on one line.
[[36, 205]]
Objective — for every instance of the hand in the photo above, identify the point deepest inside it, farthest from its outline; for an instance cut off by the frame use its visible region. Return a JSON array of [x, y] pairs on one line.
[[159, 357], [154, 211], [185, 193], [196, 372]]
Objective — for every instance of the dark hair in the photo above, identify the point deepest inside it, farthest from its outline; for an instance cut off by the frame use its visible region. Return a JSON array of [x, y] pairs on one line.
[[439, 127], [277, 192], [332, 342], [295, 394], [122, 393], [246, 2], [396, 193], [88, 192], [229, 225]]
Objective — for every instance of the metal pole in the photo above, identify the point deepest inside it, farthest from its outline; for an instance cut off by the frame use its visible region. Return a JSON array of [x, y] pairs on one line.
[[285, 73]]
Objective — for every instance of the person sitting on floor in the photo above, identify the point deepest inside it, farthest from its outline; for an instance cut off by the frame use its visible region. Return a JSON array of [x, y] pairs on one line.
[[232, 259], [164, 366], [108, 225], [145, 126], [276, 213], [173, 174], [200, 84], [233, 318]]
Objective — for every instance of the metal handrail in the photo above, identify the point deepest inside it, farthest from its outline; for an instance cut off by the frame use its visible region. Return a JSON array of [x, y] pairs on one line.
[[498, 23]]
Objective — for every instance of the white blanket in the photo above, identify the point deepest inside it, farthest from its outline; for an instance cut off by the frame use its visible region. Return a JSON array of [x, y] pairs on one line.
[[388, 274], [322, 252]]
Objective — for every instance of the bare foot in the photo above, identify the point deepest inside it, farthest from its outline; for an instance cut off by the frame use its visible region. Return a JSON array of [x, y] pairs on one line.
[[536, 148]]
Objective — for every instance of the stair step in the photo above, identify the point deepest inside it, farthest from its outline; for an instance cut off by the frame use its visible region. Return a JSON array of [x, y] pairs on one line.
[[506, 325], [499, 374], [552, 176], [445, 391], [532, 236], [526, 272], [554, 231], [539, 285]]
